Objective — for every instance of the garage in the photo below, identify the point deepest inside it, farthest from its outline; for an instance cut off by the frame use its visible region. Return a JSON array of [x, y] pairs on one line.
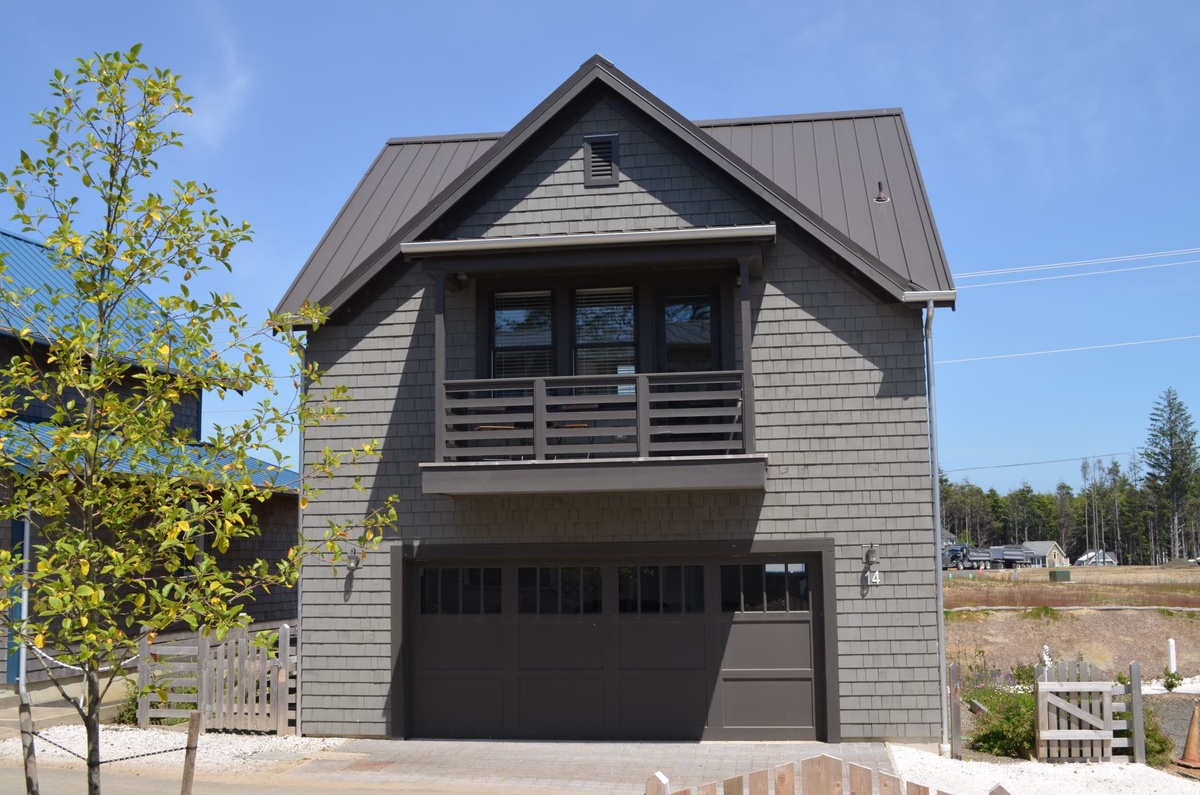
[[628, 647]]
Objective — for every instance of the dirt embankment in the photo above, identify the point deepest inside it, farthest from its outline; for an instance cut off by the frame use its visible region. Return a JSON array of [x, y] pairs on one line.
[[1110, 639]]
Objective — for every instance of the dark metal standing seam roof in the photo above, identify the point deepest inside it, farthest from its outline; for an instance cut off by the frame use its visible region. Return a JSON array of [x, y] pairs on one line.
[[827, 164]]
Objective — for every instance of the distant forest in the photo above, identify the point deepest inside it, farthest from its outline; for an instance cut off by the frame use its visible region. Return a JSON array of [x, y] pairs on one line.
[[1146, 514]]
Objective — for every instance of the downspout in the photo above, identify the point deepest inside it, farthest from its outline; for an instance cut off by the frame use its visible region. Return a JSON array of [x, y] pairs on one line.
[[944, 747]]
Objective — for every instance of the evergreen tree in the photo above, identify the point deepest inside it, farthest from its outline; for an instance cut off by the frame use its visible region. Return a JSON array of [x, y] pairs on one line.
[[1171, 460]]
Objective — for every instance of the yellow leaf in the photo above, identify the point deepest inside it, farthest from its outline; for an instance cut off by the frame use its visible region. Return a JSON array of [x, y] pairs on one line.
[[164, 351], [303, 503], [83, 621], [84, 566], [40, 640]]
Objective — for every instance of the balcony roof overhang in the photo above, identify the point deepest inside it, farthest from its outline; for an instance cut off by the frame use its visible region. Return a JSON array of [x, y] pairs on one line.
[[746, 472], [661, 248]]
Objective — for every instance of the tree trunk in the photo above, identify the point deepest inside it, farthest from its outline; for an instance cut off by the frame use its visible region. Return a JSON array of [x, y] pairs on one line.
[[91, 722]]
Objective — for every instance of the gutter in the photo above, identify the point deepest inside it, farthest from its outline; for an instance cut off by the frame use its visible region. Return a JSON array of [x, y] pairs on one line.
[[929, 296], [944, 747], [762, 232]]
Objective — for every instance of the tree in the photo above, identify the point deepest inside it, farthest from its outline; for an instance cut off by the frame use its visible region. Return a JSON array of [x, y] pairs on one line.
[[1170, 456], [132, 515]]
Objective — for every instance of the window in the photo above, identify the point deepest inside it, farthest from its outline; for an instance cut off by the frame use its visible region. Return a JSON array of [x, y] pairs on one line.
[[522, 335], [600, 161], [660, 589], [764, 588], [457, 591], [551, 590], [604, 331], [687, 342]]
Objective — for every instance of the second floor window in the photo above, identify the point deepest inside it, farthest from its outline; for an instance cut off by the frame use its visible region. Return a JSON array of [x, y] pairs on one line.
[[604, 331], [522, 335]]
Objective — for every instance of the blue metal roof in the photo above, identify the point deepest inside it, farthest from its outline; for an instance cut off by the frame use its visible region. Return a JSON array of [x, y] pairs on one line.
[[32, 270], [31, 439]]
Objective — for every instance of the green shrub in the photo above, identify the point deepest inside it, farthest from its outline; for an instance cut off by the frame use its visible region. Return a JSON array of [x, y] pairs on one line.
[[1008, 729], [127, 715], [1171, 679], [1158, 744]]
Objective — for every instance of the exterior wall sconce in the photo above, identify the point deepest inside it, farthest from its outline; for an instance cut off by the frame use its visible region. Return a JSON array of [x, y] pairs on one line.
[[353, 560], [870, 559]]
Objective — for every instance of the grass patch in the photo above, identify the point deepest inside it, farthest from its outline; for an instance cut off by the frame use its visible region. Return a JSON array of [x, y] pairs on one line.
[[965, 616], [1042, 613], [1162, 611]]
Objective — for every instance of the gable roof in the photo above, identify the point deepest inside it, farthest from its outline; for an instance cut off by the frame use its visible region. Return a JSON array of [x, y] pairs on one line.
[[1043, 548], [836, 159]]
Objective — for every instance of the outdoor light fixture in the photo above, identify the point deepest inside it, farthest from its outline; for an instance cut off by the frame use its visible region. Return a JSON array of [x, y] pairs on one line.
[[870, 556], [353, 561], [882, 197]]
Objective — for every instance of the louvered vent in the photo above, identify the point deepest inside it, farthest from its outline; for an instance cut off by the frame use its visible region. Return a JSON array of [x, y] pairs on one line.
[[600, 161]]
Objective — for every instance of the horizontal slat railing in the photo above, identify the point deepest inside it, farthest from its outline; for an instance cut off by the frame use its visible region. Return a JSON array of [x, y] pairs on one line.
[[593, 417]]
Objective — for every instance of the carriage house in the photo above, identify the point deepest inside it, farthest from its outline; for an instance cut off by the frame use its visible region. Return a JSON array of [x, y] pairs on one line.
[[652, 393]]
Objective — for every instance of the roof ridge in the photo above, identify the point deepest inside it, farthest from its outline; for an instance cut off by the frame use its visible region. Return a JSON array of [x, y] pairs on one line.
[[445, 139], [786, 117], [23, 238]]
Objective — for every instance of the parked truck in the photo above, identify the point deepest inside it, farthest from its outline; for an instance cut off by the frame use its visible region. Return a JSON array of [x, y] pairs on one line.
[[963, 556]]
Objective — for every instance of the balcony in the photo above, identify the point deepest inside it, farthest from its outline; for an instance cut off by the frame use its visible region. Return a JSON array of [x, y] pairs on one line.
[[613, 433]]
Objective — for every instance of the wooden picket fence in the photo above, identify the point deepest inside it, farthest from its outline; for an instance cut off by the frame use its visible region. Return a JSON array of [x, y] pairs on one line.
[[820, 775], [1076, 709], [234, 684]]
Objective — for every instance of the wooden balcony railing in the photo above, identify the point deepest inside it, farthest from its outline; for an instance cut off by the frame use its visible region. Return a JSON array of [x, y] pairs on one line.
[[592, 417]]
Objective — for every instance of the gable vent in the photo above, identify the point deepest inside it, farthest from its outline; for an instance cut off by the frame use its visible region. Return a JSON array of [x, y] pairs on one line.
[[600, 161]]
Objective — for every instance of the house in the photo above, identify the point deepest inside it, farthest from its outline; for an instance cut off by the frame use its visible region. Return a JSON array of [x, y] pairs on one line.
[[30, 273], [653, 396], [1046, 554], [1093, 557]]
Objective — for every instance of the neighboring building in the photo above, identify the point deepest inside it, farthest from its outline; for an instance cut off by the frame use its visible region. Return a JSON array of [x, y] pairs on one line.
[[28, 267], [1046, 554], [650, 392], [1094, 557]]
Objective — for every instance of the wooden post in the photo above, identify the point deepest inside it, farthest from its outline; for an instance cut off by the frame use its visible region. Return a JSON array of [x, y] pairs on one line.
[[889, 784], [25, 714], [143, 710], [955, 712], [1137, 728], [643, 416], [748, 441], [760, 782], [733, 786], [439, 368], [280, 697], [203, 681], [189, 757], [658, 784], [539, 418]]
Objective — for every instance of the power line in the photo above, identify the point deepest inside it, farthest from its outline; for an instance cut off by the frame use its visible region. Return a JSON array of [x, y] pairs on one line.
[[1078, 275], [1036, 463], [1068, 350], [1076, 263]]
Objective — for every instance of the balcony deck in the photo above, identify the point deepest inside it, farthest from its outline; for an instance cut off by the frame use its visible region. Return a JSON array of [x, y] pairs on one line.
[[646, 431]]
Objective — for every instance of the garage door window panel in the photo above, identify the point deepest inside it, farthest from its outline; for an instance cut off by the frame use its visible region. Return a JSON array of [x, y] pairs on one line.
[[553, 590], [459, 591], [764, 588]]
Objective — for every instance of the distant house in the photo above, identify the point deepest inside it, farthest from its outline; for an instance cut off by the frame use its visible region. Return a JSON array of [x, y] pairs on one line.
[[1046, 554], [1097, 558], [29, 270]]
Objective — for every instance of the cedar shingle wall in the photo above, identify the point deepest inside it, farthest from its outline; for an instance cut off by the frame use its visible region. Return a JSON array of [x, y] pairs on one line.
[[841, 415], [657, 190]]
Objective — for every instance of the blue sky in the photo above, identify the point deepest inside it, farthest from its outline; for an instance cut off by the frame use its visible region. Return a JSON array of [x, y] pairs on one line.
[[1046, 133]]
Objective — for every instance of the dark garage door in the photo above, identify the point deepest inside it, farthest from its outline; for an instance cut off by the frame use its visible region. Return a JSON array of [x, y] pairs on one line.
[[625, 650]]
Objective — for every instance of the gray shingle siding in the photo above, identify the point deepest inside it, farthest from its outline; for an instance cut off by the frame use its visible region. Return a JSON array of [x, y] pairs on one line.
[[841, 413], [657, 190]]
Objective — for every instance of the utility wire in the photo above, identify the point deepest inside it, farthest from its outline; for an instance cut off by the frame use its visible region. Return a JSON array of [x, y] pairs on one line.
[[1035, 463], [1076, 263], [1067, 350], [1077, 275]]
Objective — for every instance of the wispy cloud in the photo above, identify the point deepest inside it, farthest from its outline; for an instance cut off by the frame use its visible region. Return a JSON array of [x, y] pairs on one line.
[[222, 92]]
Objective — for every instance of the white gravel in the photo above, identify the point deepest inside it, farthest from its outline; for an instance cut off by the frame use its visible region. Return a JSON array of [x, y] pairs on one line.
[[1033, 778], [215, 753], [1156, 686]]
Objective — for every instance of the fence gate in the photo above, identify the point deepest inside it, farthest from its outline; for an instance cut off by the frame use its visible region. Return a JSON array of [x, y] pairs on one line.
[[234, 684], [1075, 713]]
